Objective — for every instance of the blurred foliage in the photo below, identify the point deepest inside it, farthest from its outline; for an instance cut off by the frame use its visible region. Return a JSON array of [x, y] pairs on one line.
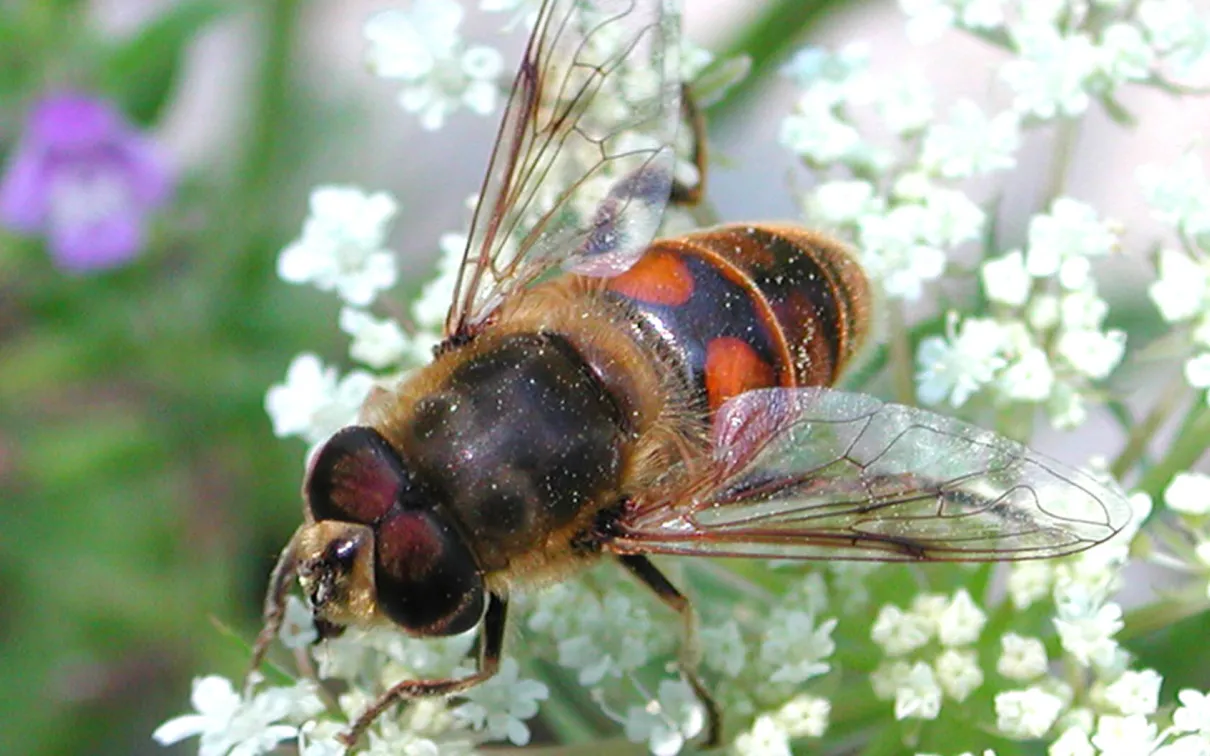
[[142, 494]]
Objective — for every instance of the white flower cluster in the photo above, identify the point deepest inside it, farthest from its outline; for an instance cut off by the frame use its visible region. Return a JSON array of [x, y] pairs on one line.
[[1178, 196], [1188, 496], [617, 640], [341, 250], [900, 210], [1045, 341], [422, 48], [1068, 53], [907, 676], [363, 664]]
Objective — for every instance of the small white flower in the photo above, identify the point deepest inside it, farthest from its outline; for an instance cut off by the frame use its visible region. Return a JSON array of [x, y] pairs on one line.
[[895, 251], [390, 737], [961, 622], [837, 203], [1073, 742], [409, 45], [815, 133], [1197, 371], [906, 103], [422, 48], [723, 648], [298, 626], [957, 366], [429, 309], [1093, 353], [899, 632], [1060, 239], [888, 677], [1089, 637], [1123, 53], [927, 19], [1180, 31], [501, 705], [1006, 280], [958, 673], [1177, 193], [228, 723], [1193, 715], [1028, 713], [1050, 74], [795, 647], [666, 723], [377, 343], [1082, 310], [319, 738], [1124, 736], [341, 245], [1182, 290], [1186, 745], [1029, 582], [950, 217], [813, 65], [1029, 377], [1022, 658], [918, 696], [970, 143], [1189, 493], [766, 738], [311, 403], [1135, 692], [804, 716]]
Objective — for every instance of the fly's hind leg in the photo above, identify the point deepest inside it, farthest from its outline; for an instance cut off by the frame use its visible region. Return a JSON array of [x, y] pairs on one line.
[[691, 116], [491, 646], [642, 568]]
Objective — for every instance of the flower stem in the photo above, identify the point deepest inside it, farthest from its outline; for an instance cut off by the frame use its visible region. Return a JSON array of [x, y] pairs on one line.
[[1164, 613], [1188, 447], [1136, 445], [1067, 132], [902, 380]]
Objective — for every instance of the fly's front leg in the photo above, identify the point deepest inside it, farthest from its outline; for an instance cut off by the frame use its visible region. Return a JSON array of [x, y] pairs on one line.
[[642, 568], [275, 602], [490, 647]]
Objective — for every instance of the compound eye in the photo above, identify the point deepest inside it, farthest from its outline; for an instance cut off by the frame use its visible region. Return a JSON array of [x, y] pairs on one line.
[[355, 477], [426, 577]]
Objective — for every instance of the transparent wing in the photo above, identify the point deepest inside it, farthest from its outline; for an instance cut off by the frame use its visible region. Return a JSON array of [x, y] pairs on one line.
[[582, 167], [823, 474]]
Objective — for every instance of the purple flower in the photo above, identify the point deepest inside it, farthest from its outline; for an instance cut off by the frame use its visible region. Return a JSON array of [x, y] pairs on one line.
[[85, 177]]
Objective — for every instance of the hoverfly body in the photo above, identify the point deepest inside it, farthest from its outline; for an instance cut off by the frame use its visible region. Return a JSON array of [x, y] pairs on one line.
[[600, 394]]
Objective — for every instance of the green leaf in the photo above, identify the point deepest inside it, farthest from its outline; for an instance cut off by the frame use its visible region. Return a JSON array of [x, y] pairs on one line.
[[713, 83], [767, 41], [142, 71]]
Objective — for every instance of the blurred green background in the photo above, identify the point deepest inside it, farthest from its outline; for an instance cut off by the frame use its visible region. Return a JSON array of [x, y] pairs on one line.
[[143, 496]]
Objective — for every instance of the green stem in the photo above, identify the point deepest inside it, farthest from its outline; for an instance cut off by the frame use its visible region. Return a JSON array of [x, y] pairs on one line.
[[247, 216], [1068, 131], [1188, 447], [1170, 396], [1166, 612], [766, 40], [902, 378]]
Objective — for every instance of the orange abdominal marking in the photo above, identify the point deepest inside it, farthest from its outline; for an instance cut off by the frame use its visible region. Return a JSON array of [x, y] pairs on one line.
[[659, 278], [733, 367]]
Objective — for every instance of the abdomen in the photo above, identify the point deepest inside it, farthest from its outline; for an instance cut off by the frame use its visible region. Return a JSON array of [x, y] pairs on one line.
[[748, 307]]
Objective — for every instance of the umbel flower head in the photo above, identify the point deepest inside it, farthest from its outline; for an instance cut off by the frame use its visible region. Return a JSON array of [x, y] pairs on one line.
[[84, 177]]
